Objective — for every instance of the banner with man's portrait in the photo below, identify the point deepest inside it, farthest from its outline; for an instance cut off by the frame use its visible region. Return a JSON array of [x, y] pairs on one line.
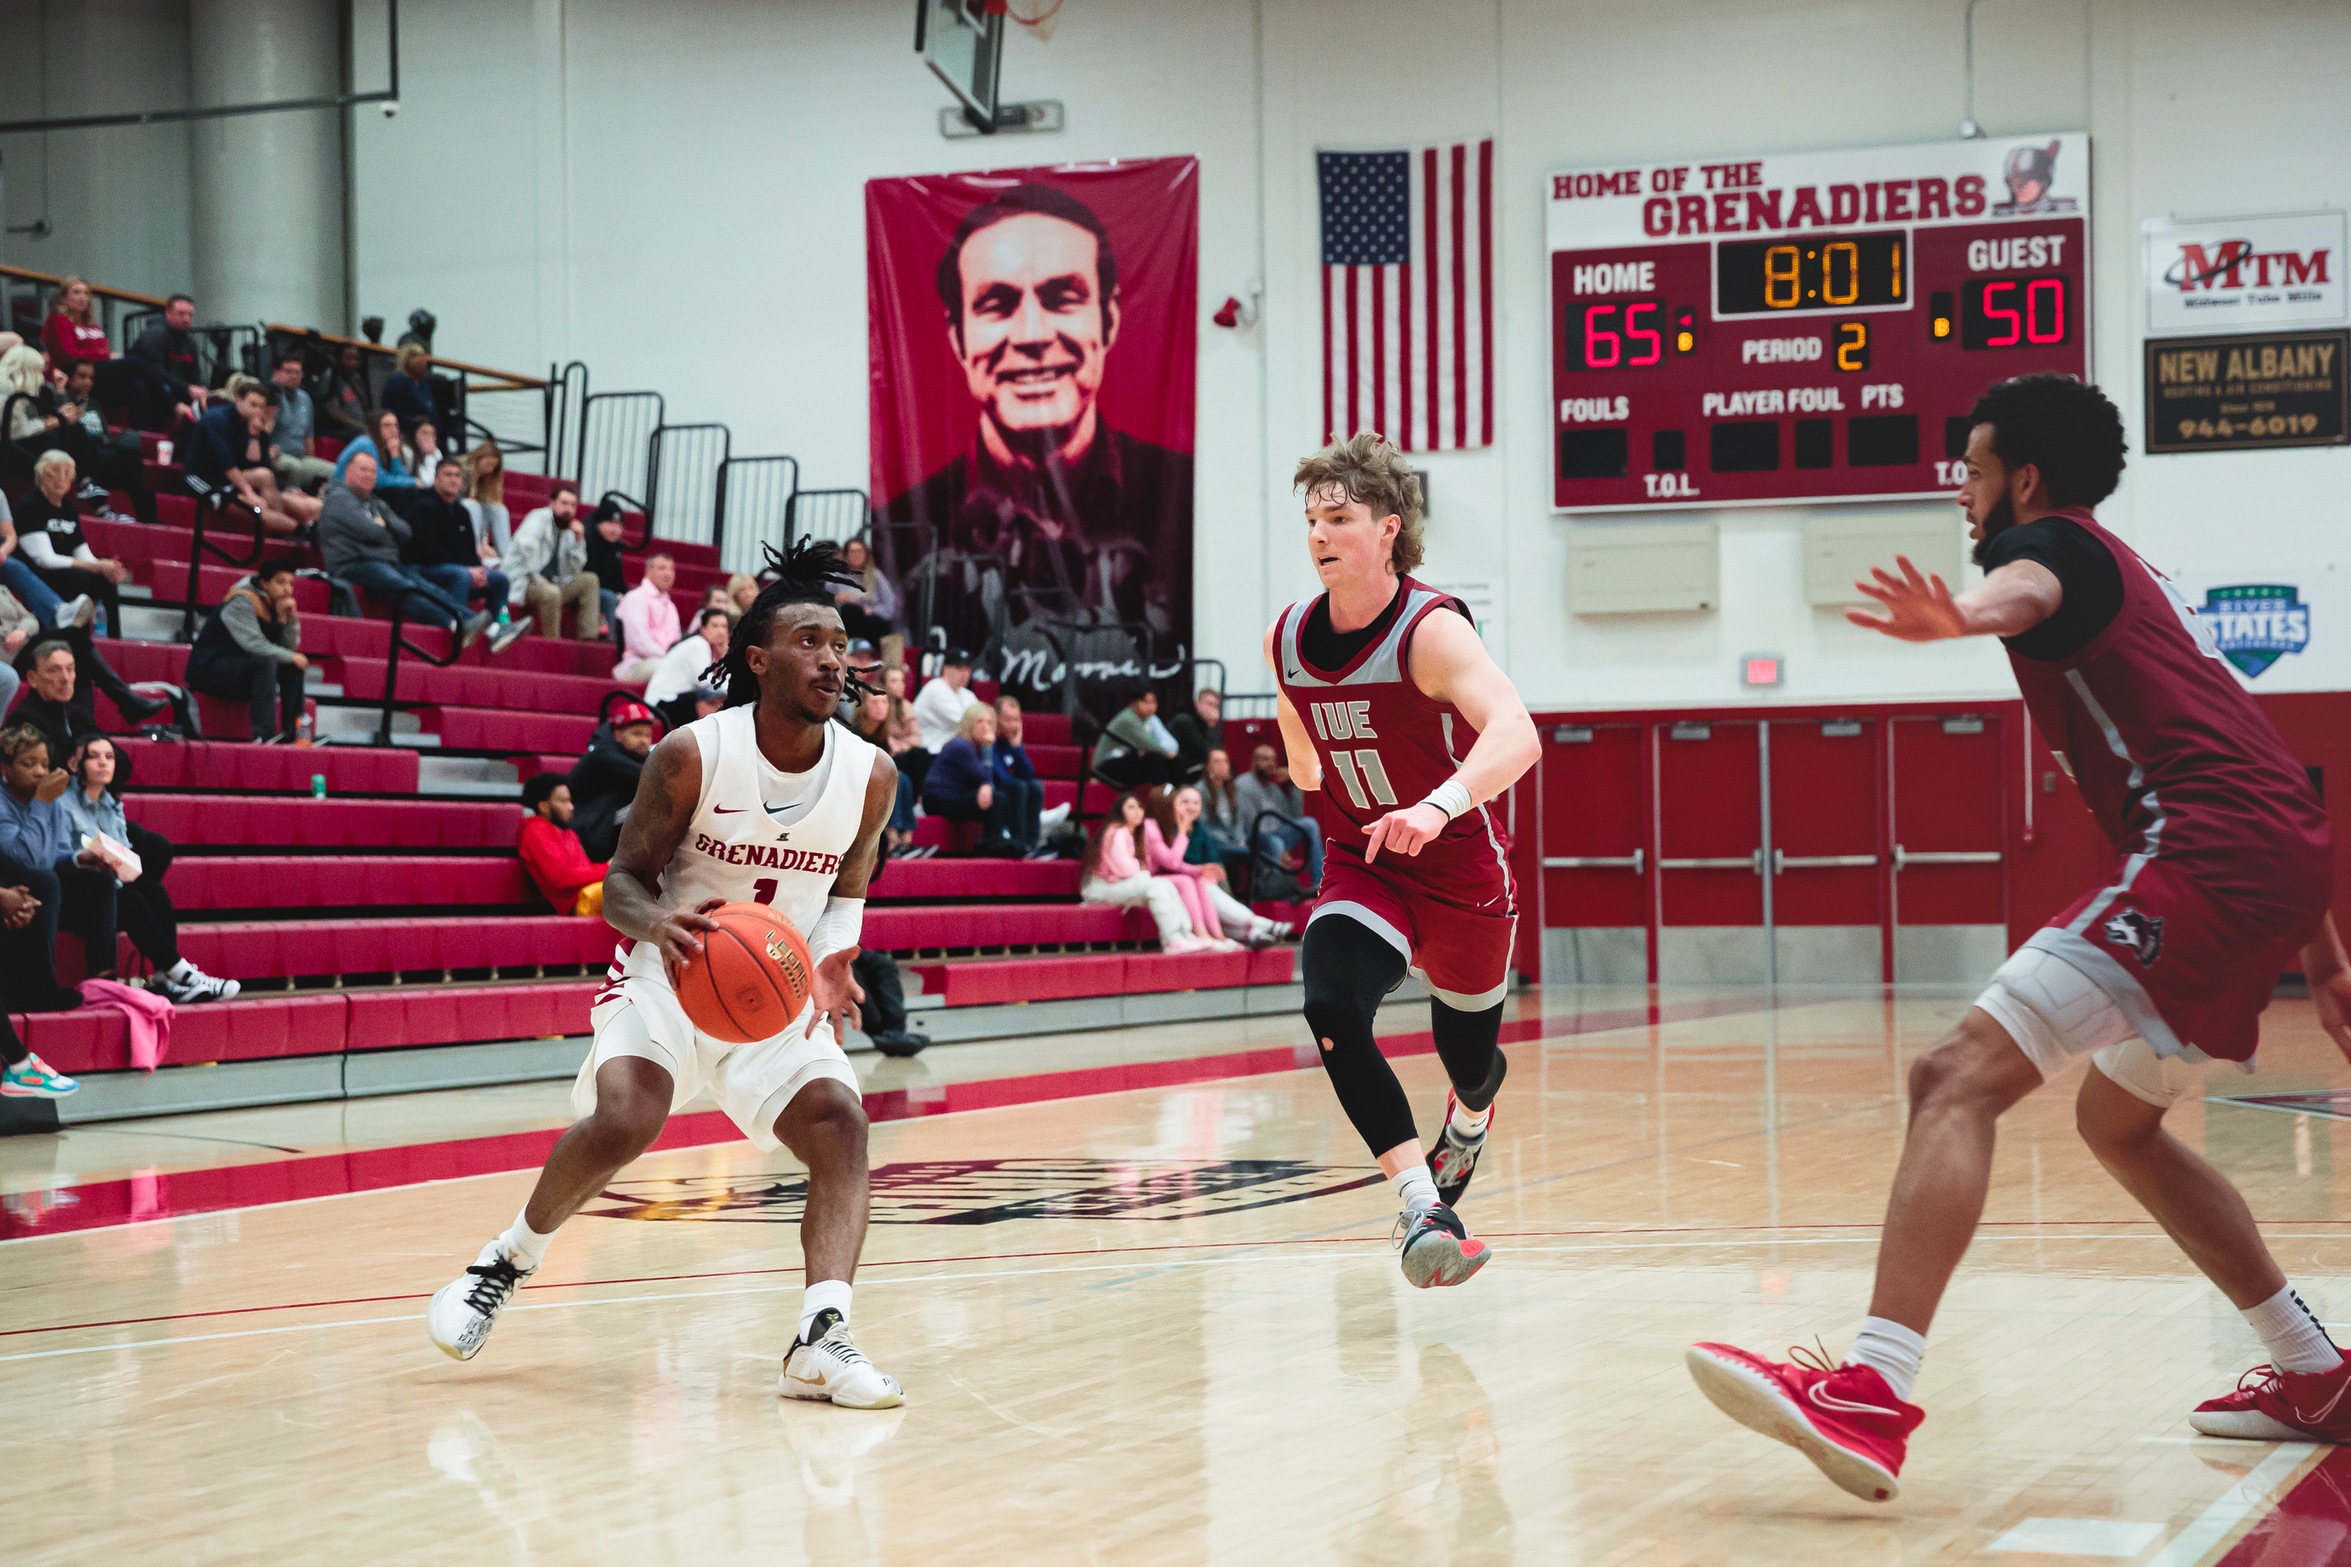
[[1033, 335]]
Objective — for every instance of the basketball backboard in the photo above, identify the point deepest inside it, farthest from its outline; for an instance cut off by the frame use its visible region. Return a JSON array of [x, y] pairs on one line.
[[962, 41]]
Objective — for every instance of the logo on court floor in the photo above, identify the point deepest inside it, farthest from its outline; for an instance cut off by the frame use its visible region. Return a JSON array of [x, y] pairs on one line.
[[2257, 624], [2141, 933], [999, 1191]]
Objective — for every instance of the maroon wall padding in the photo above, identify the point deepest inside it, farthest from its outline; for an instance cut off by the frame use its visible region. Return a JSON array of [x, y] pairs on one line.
[[1061, 978], [390, 1019]]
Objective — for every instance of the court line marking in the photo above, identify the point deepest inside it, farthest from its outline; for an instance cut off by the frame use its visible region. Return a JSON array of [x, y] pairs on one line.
[[920, 1278], [2197, 1542]]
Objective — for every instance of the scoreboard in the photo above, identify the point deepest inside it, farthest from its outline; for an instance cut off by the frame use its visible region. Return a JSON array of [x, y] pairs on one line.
[[1804, 327]]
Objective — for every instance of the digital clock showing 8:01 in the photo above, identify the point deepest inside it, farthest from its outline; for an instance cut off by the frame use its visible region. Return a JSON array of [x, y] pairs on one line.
[[1827, 272]]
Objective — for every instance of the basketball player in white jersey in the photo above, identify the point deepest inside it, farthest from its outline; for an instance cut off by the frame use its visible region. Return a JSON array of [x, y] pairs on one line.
[[765, 801]]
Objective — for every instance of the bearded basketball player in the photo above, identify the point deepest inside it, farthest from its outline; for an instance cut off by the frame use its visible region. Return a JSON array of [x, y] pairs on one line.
[[1401, 728], [765, 801], [2223, 880]]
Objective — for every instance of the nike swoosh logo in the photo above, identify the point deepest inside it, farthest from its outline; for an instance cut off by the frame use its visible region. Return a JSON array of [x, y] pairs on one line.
[[728, 810], [1831, 1401], [2325, 1410]]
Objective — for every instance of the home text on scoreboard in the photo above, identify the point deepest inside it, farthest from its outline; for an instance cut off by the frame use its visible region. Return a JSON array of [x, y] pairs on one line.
[[1806, 326]]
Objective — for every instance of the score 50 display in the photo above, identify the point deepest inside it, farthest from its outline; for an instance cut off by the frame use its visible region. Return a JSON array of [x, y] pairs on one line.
[[1804, 327]]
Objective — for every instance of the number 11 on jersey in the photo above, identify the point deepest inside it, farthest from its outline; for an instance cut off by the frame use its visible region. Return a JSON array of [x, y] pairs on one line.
[[1359, 769]]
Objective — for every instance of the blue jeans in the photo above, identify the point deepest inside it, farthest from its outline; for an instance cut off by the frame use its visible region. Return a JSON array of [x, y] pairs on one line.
[[611, 603], [386, 581], [456, 582], [1288, 835], [30, 591], [901, 814]]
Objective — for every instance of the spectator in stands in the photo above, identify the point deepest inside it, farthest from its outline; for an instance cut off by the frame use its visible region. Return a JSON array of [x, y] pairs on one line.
[[72, 333], [1135, 748], [671, 686], [962, 786], [485, 496], [424, 452], [23, 1075], [30, 590], [1112, 873], [361, 540], [1166, 836], [742, 588], [34, 835], [141, 905], [390, 454], [870, 611], [648, 620], [297, 427], [1016, 776], [17, 627], [113, 458], [550, 851], [1221, 837], [249, 650], [1268, 790], [547, 566], [230, 449], [604, 781], [53, 545], [445, 551], [939, 707], [409, 395], [62, 670], [1198, 732], [864, 674], [605, 530], [345, 410], [906, 747], [873, 725], [168, 380]]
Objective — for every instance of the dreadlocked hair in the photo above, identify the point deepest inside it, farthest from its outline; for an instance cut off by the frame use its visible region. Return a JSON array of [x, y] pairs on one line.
[[805, 572]]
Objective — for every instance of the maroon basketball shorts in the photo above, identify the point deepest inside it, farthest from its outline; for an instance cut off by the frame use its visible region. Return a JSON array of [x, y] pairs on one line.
[[2191, 972], [1461, 951]]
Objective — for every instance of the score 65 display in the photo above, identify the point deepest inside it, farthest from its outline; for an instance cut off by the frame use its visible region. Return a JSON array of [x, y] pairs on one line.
[[1809, 326]]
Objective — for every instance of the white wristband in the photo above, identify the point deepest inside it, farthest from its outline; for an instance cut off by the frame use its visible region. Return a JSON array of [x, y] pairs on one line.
[[1452, 797], [838, 927]]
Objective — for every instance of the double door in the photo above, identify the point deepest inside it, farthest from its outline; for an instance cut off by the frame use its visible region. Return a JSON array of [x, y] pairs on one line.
[[1743, 849]]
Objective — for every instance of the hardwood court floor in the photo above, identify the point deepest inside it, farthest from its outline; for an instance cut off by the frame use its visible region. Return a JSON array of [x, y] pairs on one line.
[[1164, 1325]]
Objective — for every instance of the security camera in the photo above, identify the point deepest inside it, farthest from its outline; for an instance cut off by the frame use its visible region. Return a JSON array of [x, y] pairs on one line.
[[392, 109]]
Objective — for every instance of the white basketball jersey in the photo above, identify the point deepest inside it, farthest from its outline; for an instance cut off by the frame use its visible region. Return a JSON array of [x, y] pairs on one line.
[[763, 836]]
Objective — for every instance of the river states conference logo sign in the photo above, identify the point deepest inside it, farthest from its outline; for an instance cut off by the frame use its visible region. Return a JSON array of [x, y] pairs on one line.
[[2257, 623]]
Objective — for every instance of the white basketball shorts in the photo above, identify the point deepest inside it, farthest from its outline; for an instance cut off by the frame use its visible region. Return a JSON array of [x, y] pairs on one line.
[[2057, 1014], [752, 1083]]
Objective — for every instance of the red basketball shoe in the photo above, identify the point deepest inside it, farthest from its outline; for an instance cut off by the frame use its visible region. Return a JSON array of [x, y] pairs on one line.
[[1844, 1418], [2270, 1405]]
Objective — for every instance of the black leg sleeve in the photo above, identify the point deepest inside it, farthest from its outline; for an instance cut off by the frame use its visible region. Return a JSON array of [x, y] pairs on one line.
[[1349, 972], [1469, 1043]]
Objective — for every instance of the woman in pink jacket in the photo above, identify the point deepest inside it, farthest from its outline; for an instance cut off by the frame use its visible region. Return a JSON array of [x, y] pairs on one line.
[[1166, 833]]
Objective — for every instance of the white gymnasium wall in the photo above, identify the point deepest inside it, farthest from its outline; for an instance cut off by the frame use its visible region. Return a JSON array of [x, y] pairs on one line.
[[674, 193]]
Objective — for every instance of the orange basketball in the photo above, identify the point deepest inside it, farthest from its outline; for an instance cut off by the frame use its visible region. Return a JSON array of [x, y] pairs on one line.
[[752, 978]]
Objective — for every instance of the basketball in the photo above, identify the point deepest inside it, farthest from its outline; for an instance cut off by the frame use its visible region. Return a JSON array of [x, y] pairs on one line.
[[752, 978]]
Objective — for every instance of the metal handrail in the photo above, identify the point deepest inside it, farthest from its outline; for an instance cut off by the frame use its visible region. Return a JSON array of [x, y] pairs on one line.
[[214, 502], [399, 640]]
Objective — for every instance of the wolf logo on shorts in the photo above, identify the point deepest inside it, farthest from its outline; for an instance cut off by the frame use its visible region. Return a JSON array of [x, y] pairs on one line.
[[2141, 933]]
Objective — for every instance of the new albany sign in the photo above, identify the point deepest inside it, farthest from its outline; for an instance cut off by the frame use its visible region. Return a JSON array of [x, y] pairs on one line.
[[2245, 274]]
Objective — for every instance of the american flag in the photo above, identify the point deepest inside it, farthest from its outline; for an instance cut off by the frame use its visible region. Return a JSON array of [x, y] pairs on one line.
[[1408, 295]]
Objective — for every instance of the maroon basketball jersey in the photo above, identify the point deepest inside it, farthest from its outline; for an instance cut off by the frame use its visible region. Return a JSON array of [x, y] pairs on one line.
[[1385, 744], [2175, 759]]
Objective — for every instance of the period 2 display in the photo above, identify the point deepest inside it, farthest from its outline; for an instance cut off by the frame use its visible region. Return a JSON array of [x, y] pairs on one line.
[[1805, 326]]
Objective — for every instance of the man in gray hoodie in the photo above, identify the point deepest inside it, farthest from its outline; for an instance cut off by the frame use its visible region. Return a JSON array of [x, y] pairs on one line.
[[249, 649], [361, 539]]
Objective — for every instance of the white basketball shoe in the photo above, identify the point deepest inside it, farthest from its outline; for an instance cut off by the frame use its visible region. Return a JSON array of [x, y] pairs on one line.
[[827, 1365], [465, 1309]]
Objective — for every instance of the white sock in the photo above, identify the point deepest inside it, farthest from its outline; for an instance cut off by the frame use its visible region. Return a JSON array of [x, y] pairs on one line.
[[180, 970], [2292, 1335], [1469, 1123], [1415, 1187], [1891, 1350], [524, 1245], [823, 1294]]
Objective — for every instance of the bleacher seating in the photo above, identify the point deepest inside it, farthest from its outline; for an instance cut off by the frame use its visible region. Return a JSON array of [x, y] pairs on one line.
[[370, 919]]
